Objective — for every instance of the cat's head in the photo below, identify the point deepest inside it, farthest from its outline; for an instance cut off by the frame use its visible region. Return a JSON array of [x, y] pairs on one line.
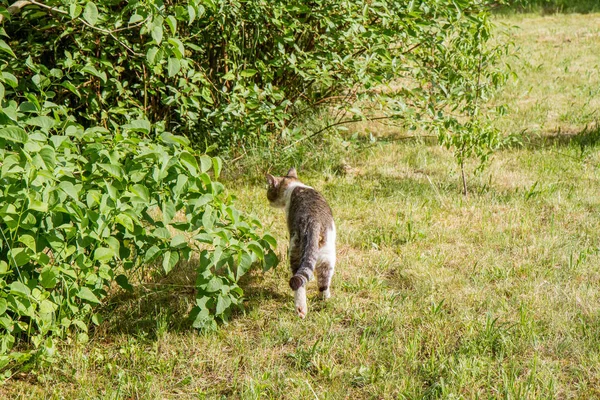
[[277, 185]]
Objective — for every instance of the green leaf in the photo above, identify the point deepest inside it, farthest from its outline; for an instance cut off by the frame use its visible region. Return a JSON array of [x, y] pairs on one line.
[[256, 249], [217, 165], [47, 307], [104, 254], [178, 47], [205, 163], [90, 13], [172, 22], [86, 294], [74, 10], [168, 210], [173, 66], [157, 33], [248, 73], [114, 170], [124, 283], [69, 189], [10, 79], [90, 69], [126, 221], [151, 254], [48, 277], [270, 239], [48, 156], [20, 289], [178, 241], [97, 319], [151, 55], [141, 191], [139, 125], [6, 48], [223, 304], [28, 241], [13, 134], [189, 161], [19, 255], [2, 306], [170, 259], [44, 122], [1, 94]]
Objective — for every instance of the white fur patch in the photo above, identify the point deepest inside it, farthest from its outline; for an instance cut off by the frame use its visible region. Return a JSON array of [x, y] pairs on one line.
[[327, 252]]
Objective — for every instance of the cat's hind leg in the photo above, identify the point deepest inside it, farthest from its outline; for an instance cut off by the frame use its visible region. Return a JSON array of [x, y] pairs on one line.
[[300, 293], [325, 271]]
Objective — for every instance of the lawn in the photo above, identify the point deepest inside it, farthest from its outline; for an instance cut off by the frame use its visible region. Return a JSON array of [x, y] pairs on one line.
[[436, 295]]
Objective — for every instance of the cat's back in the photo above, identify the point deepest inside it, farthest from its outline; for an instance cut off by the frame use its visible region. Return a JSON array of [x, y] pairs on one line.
[[308, 205]]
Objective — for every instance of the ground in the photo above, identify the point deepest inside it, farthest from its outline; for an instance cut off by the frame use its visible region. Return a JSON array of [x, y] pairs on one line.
[[436, 295]]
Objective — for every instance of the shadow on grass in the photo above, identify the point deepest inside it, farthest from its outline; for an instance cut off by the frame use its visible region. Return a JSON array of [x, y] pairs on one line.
[[589, 137], [163, 303]]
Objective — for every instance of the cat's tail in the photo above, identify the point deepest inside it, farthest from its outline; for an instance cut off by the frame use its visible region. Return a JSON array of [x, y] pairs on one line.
[[310, 250]]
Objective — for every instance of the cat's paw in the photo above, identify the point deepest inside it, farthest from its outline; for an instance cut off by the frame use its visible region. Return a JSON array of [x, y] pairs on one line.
[[325, 294], [301, 312]]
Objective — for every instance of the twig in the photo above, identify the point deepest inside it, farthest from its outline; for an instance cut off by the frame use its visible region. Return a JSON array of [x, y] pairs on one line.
[[347, 121], [15, 7]]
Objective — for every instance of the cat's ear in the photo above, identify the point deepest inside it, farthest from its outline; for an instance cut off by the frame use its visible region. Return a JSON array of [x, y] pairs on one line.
[[270, 179], [292, 173]]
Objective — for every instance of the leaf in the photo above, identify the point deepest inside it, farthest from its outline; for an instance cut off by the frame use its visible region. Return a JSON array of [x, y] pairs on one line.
[[189, 161], [104, 254], [48, 277], [124, 283], [139, 125], [74, 10], [10, 79], [114, 170], [151, 55], [270, 239], [192, 14], [223, 304], [17, 287], [44, 122], [48, 156], [172, 22], [1, 94], [178, 241], [248, 73], [28, 241], [86, 294], [256, 249], [141, 191], [6, 48], [19, 255], [90, 69], [47, 307], [90, 13], [97, 319], [178, 47], [173, 66], [126, 221], [205, 163], [244, 264], [170, 259], [168, 210], [13, 134], [157, 33], [151, 254], [217, 165], [2, 306], [69, 189]]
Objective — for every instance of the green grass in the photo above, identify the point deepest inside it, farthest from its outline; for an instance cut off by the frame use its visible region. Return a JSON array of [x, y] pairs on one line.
[[435, 296]]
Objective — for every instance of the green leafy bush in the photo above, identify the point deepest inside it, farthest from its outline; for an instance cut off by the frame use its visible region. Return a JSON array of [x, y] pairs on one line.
[[238, 72], [83, 208]]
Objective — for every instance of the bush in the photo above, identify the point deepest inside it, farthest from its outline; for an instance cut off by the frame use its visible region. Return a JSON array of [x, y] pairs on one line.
[[240, 72], [84, 208]]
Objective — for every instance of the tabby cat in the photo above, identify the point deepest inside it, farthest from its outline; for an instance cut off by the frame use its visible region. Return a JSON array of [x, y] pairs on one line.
[[312, 234]]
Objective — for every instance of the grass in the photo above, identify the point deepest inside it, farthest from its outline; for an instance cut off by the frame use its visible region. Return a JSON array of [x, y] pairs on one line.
[[435, 296]]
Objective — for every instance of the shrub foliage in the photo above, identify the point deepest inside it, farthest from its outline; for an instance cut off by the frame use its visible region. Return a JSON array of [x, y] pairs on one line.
[[84, 208]]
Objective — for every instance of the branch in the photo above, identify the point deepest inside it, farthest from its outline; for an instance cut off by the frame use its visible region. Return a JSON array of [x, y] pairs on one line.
[[347, 121], [16, 7]]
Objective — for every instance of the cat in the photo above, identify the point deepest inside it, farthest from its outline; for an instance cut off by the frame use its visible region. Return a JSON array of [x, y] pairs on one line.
[[312, 234]]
